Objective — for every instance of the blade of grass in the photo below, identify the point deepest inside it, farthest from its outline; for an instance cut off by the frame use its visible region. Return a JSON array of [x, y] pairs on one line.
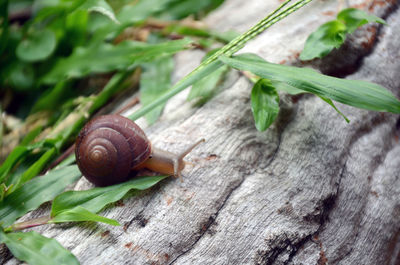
[[155, 79], [35, 192], [359, 94], [212, 64], [13, 158], [79, 214], [95, 199], [34, 170], [77, 206], [84, 60]]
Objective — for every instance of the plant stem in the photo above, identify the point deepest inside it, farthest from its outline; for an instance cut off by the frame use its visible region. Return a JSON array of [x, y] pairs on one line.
[[212, 63], [30, 223]]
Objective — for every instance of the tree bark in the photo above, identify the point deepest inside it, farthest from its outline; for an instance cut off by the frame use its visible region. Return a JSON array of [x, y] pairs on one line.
[[312, 189]]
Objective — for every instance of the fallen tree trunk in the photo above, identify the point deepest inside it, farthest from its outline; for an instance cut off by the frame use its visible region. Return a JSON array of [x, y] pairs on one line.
[[312, 189]]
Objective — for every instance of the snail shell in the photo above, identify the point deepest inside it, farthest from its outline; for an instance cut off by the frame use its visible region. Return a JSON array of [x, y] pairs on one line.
[[108, 147]]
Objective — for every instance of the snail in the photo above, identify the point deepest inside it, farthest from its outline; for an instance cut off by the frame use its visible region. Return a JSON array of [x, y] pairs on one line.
[[109, 147]]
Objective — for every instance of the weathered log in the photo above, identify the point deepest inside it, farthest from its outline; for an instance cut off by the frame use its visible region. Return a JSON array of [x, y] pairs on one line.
[[312, 189]]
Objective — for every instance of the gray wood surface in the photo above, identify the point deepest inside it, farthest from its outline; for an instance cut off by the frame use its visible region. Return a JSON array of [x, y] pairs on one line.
[[312, 189]]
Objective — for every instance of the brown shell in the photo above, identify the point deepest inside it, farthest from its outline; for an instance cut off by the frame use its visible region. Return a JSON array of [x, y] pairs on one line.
[[108, 147]]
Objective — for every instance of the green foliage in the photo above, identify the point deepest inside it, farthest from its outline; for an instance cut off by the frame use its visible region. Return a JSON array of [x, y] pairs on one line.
[[355, 93], [165, 9], [205, 88], [52, 98], [188, 80], [212, 63], [114, 85], [71, 39], [83, 61], [37, 46], [333, 33], [264, 104], [79, 214], [16, 154], [327, 37], [330, 102], [142, 10], [21, 76], [35, 168], [36, 249], [95, 199], [55, 139], [35, 192], [154, 81], [89, 38], [354, 18], [281, 86], [178, 9], [100, 6]]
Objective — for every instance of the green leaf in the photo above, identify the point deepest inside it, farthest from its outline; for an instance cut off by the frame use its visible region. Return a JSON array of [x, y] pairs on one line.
[[154, 81], [53, 98], [37, 46], [141, 10], [294, 91], [205, 88], [86, 60], [95, 199], [226, 36], [68, 161], [3, 190], [100, 6], [201, 72], [32, 194], [187, 31], [183, 8], [327, 100], [184, 30], [321, 42], [113, 86], [281, 86], [264, 104], [360, 94], [79, 214], [29, 137], [333, 33], [34, 169], [21, 76], [212, 63], [16, 154], [76, 28], [354, 18], [59, 8], [36, 249]]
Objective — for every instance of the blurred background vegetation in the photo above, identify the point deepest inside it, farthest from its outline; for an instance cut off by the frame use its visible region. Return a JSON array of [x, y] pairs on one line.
[[62, 61]]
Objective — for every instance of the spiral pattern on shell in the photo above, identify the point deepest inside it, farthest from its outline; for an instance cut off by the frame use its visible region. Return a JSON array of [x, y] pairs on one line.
[[108, 147]]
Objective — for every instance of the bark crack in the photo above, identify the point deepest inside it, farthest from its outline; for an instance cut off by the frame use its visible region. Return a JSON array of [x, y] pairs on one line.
[[213, 217], [139, 216], [293, 246]]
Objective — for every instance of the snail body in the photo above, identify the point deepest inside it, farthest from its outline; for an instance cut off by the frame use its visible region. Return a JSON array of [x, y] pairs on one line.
[[109, 147]]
